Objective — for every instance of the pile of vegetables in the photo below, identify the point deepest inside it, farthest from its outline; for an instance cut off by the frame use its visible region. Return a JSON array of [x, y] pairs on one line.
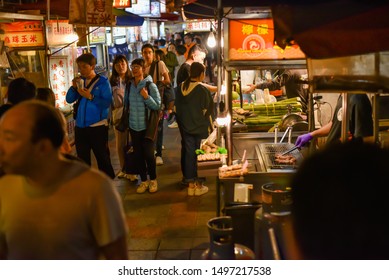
[[267, 114]]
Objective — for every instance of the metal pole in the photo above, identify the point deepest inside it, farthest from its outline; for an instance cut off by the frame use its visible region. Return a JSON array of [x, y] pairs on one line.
[[345, 114], [218, 53], [48, 10], [376, 124]]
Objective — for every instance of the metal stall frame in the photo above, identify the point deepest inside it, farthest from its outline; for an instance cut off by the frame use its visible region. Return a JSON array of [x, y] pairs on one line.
[[374, 81], [230, 65], [257, 176]]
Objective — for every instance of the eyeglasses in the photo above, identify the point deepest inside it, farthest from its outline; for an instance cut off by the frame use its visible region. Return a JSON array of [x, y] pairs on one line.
[[135, 67]]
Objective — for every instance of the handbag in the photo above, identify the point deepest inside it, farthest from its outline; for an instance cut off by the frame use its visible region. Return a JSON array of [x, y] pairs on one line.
[[130, 163], [153, 119], [117, 115], [123, 123], [166, 91]]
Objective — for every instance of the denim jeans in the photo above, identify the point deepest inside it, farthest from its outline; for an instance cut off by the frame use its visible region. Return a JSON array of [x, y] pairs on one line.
[[190, 143]]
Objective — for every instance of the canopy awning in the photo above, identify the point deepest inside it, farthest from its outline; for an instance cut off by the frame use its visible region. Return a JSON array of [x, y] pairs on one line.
[[61, 8], [321, 28], [124, 18]]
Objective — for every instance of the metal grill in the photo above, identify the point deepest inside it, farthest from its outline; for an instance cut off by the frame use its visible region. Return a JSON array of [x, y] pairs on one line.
[[270, 150]]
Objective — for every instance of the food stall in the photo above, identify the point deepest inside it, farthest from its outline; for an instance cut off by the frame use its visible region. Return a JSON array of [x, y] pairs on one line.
[[251, 48], [22, 52], [252, 150], [361, 73]]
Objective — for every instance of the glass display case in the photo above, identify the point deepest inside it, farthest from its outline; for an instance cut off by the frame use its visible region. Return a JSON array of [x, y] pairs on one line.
[[29, 64]]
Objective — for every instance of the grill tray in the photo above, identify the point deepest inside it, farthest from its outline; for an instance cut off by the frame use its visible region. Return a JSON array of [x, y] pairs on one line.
[[269, 151]]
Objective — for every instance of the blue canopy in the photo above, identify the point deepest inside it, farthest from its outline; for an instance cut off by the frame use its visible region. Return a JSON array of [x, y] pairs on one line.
[[124, 18]]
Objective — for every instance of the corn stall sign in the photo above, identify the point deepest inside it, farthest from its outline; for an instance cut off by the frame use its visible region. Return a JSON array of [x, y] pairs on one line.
[[23, 34], [95, 13]]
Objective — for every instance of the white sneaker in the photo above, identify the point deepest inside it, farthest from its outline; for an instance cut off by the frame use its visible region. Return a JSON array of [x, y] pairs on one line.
[[197, 191], [121, 174], [191, 191], [153, 186], [173, 125], [200, 190], [143, 187], [159, 161], [132, 177]]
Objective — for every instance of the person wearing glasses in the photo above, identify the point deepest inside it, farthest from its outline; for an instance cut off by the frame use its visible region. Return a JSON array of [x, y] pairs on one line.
[[144, 96]]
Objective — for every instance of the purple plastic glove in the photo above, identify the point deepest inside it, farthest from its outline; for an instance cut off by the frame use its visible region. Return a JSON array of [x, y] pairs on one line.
[[303, 139]]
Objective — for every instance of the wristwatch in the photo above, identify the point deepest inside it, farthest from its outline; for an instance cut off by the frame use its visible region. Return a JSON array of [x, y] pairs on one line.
[[91, 97]]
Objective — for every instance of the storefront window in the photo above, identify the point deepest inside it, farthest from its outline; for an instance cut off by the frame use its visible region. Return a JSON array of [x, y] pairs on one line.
[[21, 63]]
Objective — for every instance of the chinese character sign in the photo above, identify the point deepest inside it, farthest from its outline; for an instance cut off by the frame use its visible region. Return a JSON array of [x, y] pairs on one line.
[[60, 71], [253, 39], [23, 34], [96, 12], [59, 32]]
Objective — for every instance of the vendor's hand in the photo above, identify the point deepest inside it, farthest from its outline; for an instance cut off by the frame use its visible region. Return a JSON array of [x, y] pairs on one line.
[[303, 139], [250, 89]]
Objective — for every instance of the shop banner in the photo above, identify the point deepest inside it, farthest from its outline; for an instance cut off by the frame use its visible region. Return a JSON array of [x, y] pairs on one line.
[[200, 25], [61, 72], [253, 39], [97, 12], [97, 36], [23, 34], [59, 32], [121, 3]]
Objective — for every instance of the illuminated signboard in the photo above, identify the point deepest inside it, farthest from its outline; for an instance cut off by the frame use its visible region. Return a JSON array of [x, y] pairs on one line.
[[59, 32], [121, 3], [141, 8], [23, 34], [253, 39], [61, 69], [199, 25], [97, 35]]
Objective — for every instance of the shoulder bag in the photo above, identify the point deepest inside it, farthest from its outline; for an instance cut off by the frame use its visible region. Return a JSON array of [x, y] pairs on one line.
[[152, 119], [123, 123], [166, 91]]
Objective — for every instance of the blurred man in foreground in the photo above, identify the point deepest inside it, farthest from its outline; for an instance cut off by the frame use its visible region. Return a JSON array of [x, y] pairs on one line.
[[53, 208]]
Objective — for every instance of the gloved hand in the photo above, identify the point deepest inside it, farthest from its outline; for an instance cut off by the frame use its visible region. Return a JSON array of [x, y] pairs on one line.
[[303, 139]]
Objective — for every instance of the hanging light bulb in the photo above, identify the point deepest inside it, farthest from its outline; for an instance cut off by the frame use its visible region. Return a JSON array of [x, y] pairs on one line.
[[211, 41]]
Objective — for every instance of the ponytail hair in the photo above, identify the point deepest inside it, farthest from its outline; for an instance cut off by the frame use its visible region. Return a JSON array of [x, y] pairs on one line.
[[196, 69]]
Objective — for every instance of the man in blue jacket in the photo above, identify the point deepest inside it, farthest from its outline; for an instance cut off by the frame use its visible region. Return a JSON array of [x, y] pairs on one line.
[[94, 96]]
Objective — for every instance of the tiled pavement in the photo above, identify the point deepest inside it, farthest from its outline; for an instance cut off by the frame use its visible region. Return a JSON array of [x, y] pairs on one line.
[[167, 224]]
